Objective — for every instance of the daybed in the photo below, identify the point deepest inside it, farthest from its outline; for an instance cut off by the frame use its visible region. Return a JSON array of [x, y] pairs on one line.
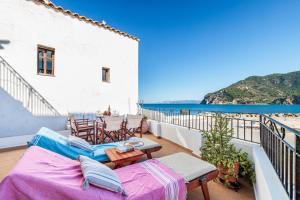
[[42, 174], [58, 143]]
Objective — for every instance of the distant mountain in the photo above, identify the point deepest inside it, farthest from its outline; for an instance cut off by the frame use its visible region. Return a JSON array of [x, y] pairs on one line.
[[181, 102], [270, 89]]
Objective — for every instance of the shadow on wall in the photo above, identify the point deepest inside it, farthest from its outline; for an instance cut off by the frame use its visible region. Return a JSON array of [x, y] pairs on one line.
[[3, 42], [16, 120]]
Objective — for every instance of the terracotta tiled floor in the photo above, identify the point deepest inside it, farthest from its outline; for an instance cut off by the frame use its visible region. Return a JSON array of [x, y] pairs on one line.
[[217, 191]]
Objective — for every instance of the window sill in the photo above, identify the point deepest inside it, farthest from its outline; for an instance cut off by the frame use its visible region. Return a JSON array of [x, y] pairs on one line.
[[40, 74]]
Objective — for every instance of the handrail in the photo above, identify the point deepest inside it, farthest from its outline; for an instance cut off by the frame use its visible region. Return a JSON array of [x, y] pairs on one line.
[[283, 153], [243, 129], [30, 88], [283, 126]]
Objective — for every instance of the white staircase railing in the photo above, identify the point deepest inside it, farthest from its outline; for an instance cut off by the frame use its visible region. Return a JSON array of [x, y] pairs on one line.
[[15, 85]]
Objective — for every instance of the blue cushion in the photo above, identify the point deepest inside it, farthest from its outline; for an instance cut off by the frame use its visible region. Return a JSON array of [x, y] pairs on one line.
[[99, 175], [53, 141]]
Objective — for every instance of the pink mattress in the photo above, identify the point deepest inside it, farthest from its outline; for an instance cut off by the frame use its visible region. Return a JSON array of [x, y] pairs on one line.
[[42, 174]]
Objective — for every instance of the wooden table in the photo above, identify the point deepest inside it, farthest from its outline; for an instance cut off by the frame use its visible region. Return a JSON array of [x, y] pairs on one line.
[[121, 159]]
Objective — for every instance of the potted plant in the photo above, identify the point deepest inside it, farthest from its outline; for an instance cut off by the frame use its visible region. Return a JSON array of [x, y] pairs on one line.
[[145, 127], [107, 113], [218, 150]]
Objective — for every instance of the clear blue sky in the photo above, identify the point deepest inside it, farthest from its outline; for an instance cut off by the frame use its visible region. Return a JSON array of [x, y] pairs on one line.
[[190, 48]]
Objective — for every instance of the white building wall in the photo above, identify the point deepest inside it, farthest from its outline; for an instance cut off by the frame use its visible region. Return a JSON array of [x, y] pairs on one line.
[[81, 50]]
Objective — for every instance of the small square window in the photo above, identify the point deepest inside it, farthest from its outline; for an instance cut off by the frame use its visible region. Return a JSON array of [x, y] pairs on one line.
[[105, 74], [45, 57]]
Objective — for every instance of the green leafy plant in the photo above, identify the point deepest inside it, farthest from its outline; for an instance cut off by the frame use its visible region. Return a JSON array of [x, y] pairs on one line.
[[218, 150]]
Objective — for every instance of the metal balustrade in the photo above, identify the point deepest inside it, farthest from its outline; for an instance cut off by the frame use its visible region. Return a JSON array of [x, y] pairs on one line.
[[243, 129], [282, 145], [16, 86]]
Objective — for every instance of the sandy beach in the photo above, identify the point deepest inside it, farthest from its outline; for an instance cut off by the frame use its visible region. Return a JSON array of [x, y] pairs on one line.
[[291, 120], [245, 126]]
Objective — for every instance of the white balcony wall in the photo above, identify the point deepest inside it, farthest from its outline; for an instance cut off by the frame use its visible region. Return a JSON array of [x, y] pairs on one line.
[[81, 50]]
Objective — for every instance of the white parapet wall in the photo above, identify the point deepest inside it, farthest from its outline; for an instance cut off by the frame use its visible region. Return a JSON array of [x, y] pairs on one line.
[[190, 139], [267, 186], [14, 141], [17, 121]]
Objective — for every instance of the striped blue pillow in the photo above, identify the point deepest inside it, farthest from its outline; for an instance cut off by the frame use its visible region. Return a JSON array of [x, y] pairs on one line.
[[100, 175], [79, 143]]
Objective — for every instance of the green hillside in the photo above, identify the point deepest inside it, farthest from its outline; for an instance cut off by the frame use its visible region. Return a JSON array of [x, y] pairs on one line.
[[270, 89]]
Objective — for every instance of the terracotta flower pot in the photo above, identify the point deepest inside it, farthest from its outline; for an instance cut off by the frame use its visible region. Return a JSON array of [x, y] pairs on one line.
[[224, 173], [145, 127]]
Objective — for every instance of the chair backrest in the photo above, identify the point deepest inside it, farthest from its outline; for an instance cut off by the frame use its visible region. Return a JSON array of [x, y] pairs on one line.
[[73, 124], [134, 121], [113, 123], [115, 113]]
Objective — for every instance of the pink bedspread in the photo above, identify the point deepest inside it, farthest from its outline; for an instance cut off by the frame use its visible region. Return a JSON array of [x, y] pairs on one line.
[[41, 174]]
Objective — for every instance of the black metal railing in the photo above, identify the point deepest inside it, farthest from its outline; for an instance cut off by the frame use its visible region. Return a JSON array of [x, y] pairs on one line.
[[243, 129], [282, 144]]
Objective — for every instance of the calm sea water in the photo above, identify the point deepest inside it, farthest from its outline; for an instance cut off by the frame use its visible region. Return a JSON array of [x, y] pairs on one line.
[[259, 109]]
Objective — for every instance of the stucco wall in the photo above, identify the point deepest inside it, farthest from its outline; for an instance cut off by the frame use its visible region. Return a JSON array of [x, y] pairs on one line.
[[81, 50], [15, 120]]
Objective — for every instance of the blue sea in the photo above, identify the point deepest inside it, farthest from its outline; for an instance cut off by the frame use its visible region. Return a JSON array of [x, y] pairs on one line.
[[258, 109]]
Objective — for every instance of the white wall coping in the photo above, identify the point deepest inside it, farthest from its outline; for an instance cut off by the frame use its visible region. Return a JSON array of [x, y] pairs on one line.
[[15, 141], [268, 184]]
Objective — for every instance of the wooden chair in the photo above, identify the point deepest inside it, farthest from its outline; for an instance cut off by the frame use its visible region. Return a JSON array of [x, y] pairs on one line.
[[82, 128], [134, 125], [111, 130]]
